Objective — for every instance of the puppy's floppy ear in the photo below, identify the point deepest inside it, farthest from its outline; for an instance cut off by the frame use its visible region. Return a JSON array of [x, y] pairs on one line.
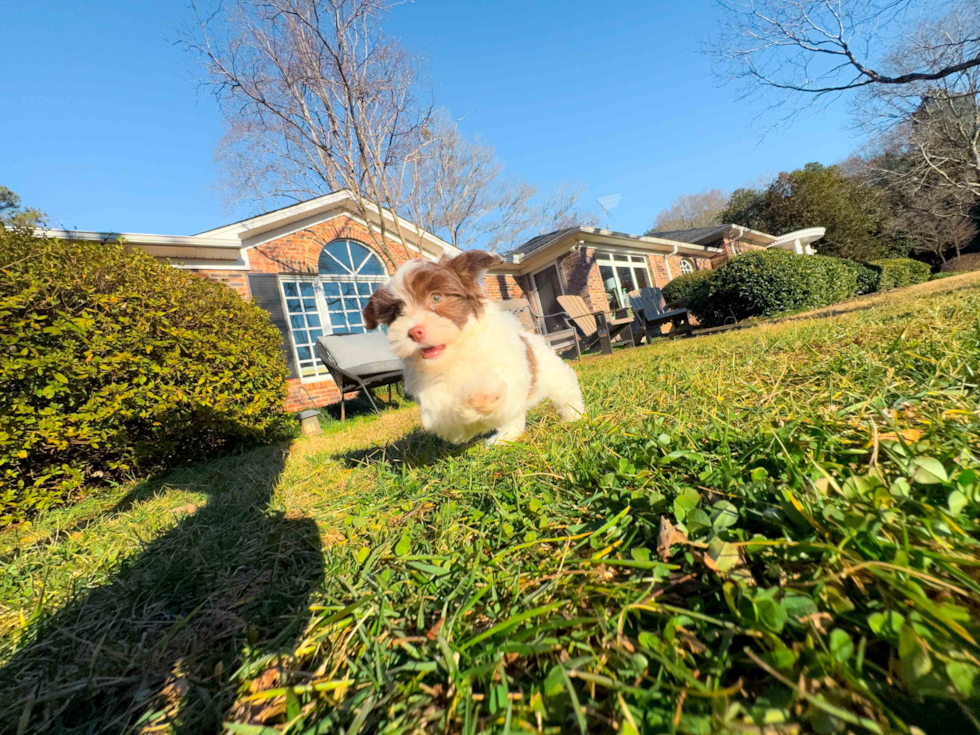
[[382, 308], [473, 263]]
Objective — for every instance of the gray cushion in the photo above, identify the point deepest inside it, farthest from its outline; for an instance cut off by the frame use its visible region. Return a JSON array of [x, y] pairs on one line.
[[359, 354]]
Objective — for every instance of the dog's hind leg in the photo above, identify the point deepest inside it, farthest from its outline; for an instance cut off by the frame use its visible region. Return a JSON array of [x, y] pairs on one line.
[[564, 391]]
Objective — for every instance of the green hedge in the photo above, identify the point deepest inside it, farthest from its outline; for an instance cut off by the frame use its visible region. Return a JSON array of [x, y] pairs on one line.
[[768, 282], [684, 285], [897, 272], [867, 276], [113, 365]]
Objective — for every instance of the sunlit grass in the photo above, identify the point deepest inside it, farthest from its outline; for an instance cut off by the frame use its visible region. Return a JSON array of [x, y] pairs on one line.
[[811, 486]]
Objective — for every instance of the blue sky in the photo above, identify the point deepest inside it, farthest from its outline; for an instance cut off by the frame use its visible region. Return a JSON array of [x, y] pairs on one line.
[[104, 129]]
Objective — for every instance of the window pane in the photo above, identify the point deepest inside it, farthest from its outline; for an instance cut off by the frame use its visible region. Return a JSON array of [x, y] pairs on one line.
[[313, 320], [372, 267], [357, 330], [348, 289], [331, 289], [289, 289], [293, 305], [337, 265], [641, 278], [304, 353], [352, 305], [621, 258], [636, 258], [358, 253], [296, 321], [337, 319], [315, 334], [305, 288], [354, 318], [625, 278], [364, 289], [300, 336]]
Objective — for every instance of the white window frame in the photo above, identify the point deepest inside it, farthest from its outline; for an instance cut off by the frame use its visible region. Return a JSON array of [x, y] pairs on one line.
[[606, 257], [319, 370], [689, 263]]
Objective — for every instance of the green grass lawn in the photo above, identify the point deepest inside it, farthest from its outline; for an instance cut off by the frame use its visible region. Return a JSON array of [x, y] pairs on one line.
[[768, 531]]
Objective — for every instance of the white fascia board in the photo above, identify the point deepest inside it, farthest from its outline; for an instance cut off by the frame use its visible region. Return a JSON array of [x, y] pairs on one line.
[[645, 243], [209, 265], [270, 218], [140, 238]]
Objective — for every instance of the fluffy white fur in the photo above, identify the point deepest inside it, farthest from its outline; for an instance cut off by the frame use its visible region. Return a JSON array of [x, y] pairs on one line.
[[481, 382]]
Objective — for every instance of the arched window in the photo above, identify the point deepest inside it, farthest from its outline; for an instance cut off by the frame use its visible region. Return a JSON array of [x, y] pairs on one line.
[[332, 301], [687, 266]]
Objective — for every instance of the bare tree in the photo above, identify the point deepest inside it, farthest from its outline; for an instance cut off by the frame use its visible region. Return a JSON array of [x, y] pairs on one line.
[[455, 187], [316, 99], [930, 216], [933, 125], [562, 207], [692, 210], [803, 50]]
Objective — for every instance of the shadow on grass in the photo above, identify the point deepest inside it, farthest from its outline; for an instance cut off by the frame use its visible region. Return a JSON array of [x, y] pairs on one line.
[[416, 449], [158, 644]]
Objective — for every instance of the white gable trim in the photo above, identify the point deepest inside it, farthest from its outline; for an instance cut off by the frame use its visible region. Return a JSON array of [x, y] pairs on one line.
[[307, 209], [314, 220]]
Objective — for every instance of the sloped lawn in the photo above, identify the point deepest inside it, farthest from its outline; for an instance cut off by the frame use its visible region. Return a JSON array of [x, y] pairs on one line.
[[767, 531]]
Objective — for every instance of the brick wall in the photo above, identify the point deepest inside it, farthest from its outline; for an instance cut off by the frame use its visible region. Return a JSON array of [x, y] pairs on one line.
[[300, 251], [659, 271], [237, 280], [580, 274], [503, 287]]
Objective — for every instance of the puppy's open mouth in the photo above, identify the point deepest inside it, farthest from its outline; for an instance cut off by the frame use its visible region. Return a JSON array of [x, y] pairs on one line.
[[430, 352]]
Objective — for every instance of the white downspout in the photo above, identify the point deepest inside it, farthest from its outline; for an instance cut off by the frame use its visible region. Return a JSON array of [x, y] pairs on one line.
[[741, 234], [667, 264]]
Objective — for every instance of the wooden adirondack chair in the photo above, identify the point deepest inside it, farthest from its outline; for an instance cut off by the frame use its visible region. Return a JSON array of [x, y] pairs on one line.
[[652, 313], [559, 341], [588, 322]]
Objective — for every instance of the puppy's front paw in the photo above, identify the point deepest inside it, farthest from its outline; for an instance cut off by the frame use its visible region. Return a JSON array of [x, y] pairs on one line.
[[485, 401]]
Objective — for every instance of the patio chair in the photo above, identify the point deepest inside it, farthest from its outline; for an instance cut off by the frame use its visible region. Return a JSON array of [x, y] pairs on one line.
[[588, 322], [558, 340], [362, 361], [652, 313]]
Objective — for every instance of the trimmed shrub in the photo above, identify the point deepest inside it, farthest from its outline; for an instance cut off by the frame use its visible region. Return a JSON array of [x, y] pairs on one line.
[[969, 262], [768, 282], [867, 276], [113, 365], [897, 272], [684, 285]]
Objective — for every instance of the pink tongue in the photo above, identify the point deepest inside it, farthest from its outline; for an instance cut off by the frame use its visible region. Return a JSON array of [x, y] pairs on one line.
[[432, 351]]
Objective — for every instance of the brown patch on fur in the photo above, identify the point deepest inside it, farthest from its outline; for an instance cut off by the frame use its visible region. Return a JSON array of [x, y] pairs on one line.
[[382, 308], [532, 364], [456, 281]]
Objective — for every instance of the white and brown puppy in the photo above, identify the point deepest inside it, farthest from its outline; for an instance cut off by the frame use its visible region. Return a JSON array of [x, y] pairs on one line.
[[471, 366]]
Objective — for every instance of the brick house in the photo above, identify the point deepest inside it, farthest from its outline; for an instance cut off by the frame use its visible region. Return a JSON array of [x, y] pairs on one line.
[[313, 266]]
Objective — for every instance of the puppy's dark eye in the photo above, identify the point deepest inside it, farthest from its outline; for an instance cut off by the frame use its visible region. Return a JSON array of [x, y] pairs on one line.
[[436, 298]]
